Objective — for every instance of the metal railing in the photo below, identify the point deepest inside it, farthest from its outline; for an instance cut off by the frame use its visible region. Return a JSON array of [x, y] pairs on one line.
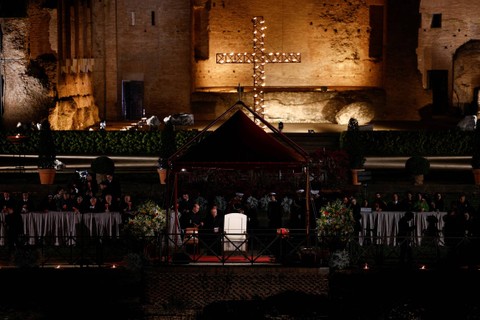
[[256, 247]]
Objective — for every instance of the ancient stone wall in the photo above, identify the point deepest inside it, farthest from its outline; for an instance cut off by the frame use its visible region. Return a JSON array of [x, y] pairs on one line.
[[330, 106], [25, 84], [33, 87], [169, 47], [143, 41], [332, 36], [75, 107], [445, 27]]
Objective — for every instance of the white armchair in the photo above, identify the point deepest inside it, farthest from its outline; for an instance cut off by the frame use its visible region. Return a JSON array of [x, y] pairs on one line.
[[235, 232]]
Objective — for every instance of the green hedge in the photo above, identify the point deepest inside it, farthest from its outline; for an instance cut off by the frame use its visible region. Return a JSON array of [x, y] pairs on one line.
[[452, 142], [143, 143]]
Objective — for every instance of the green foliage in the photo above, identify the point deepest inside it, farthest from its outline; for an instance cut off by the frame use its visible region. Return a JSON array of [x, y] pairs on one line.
[[185, 136], [452, 142], [149, 220], [335, 224], [417, 165]]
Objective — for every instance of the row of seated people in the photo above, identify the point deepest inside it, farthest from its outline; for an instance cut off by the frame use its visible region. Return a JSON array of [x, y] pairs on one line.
[[192, 214], [418, 202], [421, 202], [67, 201], [461, 218]]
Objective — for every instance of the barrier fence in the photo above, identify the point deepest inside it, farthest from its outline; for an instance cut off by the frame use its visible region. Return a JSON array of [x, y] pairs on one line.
[[291, 248]]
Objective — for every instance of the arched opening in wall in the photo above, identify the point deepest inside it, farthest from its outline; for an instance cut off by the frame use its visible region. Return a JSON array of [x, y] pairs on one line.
[[466, 77], [438, 83], [132, 100]]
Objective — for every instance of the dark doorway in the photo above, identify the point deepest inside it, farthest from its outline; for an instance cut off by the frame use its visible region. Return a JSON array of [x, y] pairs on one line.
[[132, 108], [476, 100], [438, 83]]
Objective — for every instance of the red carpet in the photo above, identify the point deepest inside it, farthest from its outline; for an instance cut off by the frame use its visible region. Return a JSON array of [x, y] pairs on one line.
[[192, 258]]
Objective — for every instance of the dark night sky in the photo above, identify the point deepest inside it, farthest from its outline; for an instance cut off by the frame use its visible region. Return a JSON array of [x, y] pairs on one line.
[[13, 8]]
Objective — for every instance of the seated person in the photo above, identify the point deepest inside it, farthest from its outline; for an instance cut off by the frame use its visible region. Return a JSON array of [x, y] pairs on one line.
[[196, 218], [421, 203], [48, 203], [395, 204], [126, 207], [79, 205], [7, 202], [26, 204], [65, 203], [213, 228], [94, 206], [378, 203], [109, 204]]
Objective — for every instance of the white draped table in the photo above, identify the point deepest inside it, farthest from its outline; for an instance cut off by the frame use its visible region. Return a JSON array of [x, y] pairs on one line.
[[382, 227], [62, 227]]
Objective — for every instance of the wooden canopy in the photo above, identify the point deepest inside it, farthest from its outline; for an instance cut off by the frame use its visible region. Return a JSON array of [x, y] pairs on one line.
[[239, 143]]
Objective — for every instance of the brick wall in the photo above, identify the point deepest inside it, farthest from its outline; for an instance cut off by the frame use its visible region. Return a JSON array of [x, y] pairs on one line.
[[187, 290]]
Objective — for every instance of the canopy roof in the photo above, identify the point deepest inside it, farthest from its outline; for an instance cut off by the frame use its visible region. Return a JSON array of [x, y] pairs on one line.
[[239, 143]]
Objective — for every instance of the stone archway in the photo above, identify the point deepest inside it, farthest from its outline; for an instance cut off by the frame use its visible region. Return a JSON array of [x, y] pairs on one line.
[[466, 76]]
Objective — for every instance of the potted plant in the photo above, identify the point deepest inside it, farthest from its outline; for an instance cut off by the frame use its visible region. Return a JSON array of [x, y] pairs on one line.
[[146, 226], [418, 167], [46, 154], [335, 230], [167, 148]]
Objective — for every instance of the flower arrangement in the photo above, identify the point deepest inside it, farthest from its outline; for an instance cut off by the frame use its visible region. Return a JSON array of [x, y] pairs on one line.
[[335, 225], [148, 220]]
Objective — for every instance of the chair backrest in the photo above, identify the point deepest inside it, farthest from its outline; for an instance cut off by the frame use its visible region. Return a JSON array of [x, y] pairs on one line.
[[235, 223], [191, 236]]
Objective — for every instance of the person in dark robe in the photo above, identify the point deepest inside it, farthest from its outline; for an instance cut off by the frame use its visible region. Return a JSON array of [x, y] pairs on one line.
[[405, 232], [14, 228]]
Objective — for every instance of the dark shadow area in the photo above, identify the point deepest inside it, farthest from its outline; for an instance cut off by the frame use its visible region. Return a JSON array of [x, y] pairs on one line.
[[69, 294], [287, 305]]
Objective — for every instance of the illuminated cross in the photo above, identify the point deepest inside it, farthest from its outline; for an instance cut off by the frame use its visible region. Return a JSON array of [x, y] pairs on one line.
[[259, 58]]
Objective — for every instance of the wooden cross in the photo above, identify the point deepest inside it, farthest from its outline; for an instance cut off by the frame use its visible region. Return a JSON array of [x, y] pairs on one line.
[[259, 58]]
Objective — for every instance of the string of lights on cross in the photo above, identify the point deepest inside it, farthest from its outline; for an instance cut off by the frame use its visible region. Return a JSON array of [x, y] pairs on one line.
[[259, 58]]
